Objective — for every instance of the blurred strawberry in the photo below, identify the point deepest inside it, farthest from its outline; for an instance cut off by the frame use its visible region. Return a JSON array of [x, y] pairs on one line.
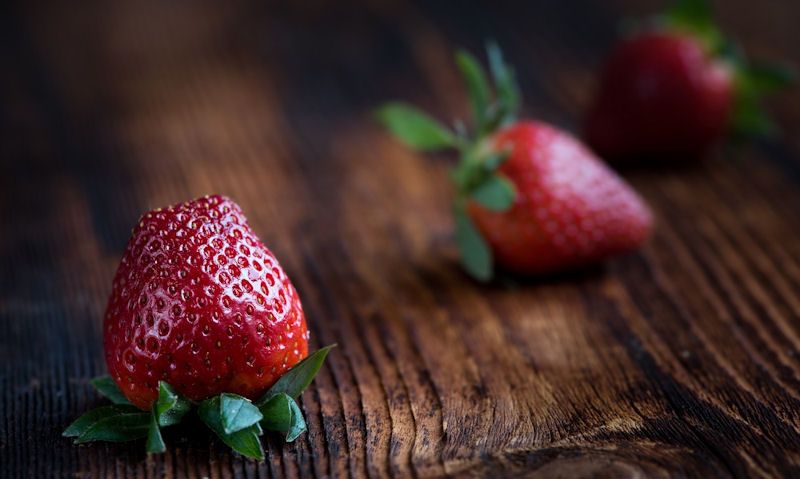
[[529, 196], [674, 89]]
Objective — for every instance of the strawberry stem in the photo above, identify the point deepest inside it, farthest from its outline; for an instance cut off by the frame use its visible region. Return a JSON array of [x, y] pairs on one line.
[[495, 105]]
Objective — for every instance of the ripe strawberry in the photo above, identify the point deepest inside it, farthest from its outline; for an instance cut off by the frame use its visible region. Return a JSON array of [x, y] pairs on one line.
[[570, 209], [675, 89], [529, 196], [200, 302], [200, 310]]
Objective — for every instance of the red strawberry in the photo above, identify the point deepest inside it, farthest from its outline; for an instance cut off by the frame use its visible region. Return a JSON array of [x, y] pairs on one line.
[[200, 302], [200, 310], [673, 91], [530, 196], [660, 95], [570, 208]]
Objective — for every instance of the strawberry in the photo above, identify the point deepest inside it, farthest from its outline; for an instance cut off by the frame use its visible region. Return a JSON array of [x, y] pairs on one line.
[[674, 89], [530, 197], [570, 209], [200, 302], [201, 311]]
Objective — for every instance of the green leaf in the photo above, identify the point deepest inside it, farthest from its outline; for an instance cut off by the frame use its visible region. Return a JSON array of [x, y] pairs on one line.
[[751, 120], [492, 161], [508, 97], [125, 426], [296, 380], [277, 413], [298, 423], [283, 414], [477, 165], [475, 253], [468, 172], [414, 127], [237, 413], [495, 193], [244, 441], [108, 388], [477, 86], [170, 407], [695, 13], [696, 17], [766, 78], [155, 443], [88, 419]]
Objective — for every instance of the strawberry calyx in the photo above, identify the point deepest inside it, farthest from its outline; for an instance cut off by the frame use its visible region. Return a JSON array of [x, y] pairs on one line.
[[236, 420], [476, 178], [751, 80]]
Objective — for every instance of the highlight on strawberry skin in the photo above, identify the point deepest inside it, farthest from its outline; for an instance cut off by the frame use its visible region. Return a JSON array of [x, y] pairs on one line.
[[201, 318], [529, 197], [675, 87]]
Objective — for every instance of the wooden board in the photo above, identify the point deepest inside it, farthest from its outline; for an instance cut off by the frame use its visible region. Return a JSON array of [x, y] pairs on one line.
[[680, 360]]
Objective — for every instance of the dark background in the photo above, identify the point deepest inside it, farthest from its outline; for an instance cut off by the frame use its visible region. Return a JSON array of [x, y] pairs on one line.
[[681, 359]]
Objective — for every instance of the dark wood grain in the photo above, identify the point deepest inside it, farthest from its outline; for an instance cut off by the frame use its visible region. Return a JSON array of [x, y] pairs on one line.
[[680, 360]]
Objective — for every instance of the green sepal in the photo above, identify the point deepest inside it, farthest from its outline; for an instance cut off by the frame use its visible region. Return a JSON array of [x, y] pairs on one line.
[[237, 413], [155, 443], [477, 87], [761, 78], [110, 423], [296, 380], [277, 413], [495, 100], [492, 161], [749, 119], [475, 253], [235, 419], [697, 18], [414, 127], [495, 193], [106, 386], [282, 413], [88, 419], [691, 12], [298, 423], [279, 407], [119, 429], [244, 441], [508, 96], [171, 406], [469, 172], [476, 166], [463, 175], [752, 81]]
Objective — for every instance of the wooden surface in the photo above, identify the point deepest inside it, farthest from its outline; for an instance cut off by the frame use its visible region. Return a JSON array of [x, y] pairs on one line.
[[680, 360]]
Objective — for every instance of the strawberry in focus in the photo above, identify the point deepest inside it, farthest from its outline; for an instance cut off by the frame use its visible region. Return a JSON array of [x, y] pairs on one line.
[[199, 302], [530, 197], [675, 89], [201, 316]]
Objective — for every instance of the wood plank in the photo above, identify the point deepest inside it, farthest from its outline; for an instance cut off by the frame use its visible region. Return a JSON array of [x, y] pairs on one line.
[[680, 360]]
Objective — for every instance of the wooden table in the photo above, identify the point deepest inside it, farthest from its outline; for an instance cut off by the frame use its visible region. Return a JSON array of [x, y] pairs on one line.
[[680, 360]]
